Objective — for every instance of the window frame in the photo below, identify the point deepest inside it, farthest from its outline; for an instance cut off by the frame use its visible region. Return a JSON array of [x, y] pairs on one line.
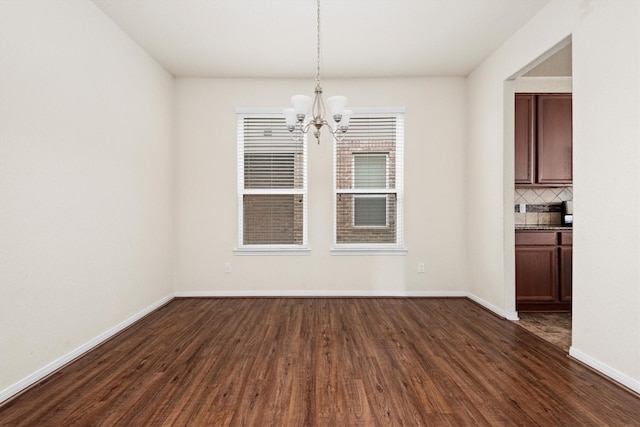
[[267, 249]]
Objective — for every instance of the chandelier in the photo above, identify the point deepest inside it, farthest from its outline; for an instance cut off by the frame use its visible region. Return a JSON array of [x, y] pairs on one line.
[[297, 119]]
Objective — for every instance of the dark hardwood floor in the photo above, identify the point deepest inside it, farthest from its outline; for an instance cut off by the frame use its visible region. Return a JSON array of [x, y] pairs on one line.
[[323, 362]]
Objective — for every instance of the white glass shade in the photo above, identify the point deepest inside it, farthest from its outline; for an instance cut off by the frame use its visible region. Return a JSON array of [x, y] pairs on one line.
[[289, 116], [336, 104], [346, 115], [301, 103]]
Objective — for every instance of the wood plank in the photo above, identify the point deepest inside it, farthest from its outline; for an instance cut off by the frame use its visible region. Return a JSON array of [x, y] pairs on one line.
[[323, 362]]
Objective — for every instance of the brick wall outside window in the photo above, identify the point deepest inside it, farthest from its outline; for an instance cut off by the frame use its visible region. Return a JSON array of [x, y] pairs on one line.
[[273, 219]]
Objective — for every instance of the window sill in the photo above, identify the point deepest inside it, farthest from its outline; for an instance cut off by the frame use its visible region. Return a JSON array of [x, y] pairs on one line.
[[364, 251], [272, 251]]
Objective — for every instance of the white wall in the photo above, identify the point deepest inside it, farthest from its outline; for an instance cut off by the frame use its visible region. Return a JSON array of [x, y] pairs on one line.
[[206, 199], [606, 280], [85, 182], [606, 48]]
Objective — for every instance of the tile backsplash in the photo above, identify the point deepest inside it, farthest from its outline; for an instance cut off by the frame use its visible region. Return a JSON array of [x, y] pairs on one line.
[[542, 196], [542, 205]]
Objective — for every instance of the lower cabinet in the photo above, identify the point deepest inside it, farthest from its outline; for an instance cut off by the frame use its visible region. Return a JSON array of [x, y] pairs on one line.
[[565, 273], [543, 270]]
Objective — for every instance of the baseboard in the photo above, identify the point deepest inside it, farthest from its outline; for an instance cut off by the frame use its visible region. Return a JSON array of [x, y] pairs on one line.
[[509, 315], [346, 294], [614, 374], [318, 294], [89, 345]]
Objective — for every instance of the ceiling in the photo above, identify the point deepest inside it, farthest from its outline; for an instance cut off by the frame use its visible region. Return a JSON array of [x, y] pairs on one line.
[[360, 38]]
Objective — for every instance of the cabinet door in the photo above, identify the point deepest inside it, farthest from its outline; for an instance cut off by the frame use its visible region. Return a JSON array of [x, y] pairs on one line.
[[536, 274], [566, 278], [554, 164], [524, 138]]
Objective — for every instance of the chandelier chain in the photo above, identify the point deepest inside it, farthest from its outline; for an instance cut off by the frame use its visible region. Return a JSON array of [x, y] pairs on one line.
[[318, 46]]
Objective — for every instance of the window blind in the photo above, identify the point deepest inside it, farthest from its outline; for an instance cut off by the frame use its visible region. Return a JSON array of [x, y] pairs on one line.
[[271, 183]]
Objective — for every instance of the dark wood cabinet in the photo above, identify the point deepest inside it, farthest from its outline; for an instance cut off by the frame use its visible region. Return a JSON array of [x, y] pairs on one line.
[[525, 135], [536, 274], [554, 137], [565, 273], [543, 270], [543, 139], [566, 264]]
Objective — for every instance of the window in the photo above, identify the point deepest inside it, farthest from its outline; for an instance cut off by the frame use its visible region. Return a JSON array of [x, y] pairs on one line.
[[368, 166], [272, 185]]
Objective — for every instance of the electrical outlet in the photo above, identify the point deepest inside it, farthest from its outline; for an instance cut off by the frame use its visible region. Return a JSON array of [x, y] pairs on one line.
[[421, 267], [227, 267], [523, 208]]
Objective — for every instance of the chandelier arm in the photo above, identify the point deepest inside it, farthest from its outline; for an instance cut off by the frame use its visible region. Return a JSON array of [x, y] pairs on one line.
[[335, 131], [306, 127], [296, 133]]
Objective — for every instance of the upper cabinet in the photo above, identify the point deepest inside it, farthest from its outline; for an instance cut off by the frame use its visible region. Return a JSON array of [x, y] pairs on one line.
[[543, 140], [525, 136]]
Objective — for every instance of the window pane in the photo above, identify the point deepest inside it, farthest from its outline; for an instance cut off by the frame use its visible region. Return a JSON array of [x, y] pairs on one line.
[[346, 207], [370, 211], [365, 164], [273, 219], [269, 170], [370, 170]]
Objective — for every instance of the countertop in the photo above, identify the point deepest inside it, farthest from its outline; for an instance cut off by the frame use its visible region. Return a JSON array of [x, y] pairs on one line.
[[552, 227]]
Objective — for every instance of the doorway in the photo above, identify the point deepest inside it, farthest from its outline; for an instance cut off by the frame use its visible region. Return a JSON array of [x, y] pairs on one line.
[[543, 258]]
